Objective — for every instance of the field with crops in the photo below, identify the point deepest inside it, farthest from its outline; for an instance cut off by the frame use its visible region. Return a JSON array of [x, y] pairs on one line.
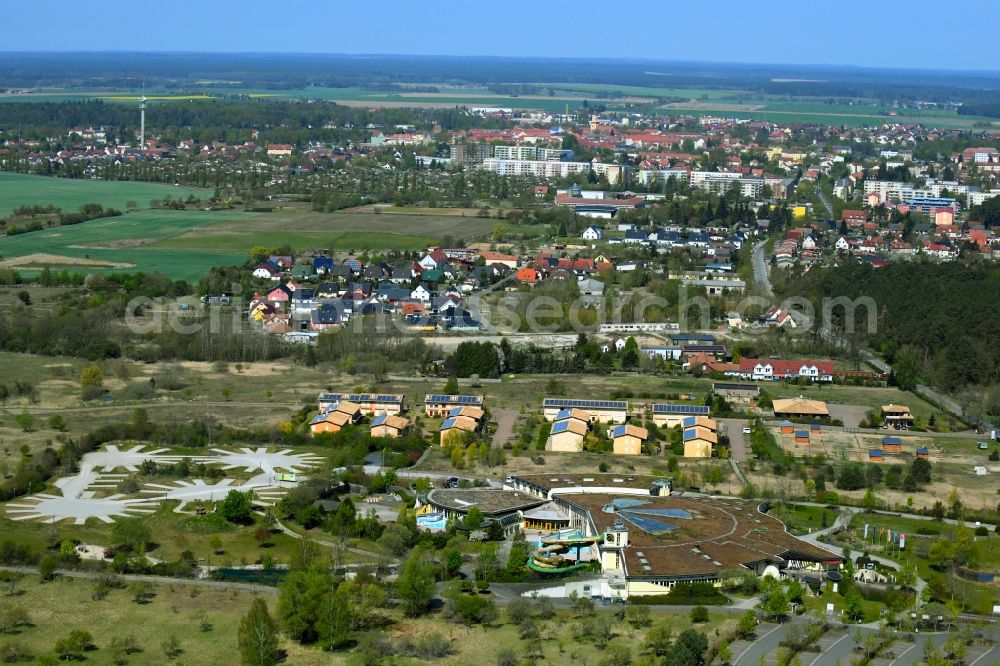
[[336, 232], [69, 194], [186, 244], [124, 243]]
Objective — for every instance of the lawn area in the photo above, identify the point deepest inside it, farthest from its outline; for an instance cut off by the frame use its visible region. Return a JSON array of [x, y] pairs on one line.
[[908, 526], [69, 194], [561, 645], [66, 604], [869, 397], [818, 604], [172, 534], [803, 519]]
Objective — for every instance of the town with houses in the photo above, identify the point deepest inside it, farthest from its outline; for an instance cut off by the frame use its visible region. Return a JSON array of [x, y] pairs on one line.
[[377, 359]]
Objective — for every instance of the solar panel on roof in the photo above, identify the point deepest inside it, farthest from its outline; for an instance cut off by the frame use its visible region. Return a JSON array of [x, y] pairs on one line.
[[559, 427], [680, 409], [584, 404]]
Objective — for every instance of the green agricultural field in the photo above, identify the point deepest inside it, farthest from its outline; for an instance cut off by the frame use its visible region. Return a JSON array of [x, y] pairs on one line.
[[186, 244], [69, 194], [340, 231], [838, 115], [642, 91], [124, 243]]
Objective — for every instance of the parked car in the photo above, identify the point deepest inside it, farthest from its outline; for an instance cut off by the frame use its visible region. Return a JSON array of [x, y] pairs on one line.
[[746, 430]]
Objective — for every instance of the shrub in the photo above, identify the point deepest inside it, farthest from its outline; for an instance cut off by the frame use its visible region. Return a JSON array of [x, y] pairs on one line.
[[137, 391], [74, 645], [12, 652], [47, 567], [431, 645], [699, 614]]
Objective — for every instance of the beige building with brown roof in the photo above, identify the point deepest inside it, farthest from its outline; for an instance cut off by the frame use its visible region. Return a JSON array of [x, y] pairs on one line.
[[335, 418], [800, 407], [628, 439], [389, 426], [457, 424], [567, 436]]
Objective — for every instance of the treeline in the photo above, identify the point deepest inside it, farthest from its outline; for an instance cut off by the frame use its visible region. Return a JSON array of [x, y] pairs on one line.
[[988, 109], [232, 122], [987, 212], [86, 212], [937, 322]]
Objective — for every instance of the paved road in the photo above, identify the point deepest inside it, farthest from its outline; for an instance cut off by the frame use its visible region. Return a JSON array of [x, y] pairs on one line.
[[159, 580], [837, 646], [737, 440], [760, 269], [146, 405], [826, 204], [842, 521], [329, 544], [506, 418]]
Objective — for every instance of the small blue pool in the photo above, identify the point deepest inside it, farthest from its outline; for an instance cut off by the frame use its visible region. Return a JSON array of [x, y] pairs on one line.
[[434, 521]]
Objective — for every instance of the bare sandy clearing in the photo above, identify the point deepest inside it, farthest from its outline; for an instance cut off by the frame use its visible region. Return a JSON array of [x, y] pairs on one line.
[[41, 260]]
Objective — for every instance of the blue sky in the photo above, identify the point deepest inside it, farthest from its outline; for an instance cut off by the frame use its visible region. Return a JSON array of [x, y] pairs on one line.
[[877, 33]]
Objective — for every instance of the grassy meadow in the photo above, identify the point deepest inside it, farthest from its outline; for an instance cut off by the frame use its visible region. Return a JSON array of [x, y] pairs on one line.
[[66, 604], [69, 194]]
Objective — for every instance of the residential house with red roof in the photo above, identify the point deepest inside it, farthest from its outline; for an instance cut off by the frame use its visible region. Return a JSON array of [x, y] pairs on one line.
[[779, 369]]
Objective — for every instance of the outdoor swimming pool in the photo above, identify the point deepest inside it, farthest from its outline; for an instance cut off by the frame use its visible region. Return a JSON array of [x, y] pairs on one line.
[[433, 521]]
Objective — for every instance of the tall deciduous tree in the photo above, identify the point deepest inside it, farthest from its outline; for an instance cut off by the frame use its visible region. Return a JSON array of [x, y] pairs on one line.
[[415, 585], [258, 636]]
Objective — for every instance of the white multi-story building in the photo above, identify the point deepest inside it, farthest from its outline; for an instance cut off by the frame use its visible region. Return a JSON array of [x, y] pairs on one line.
[[536, 168], [553, 169], [976, 198], [531, 153], [890, 189], [648, 177]]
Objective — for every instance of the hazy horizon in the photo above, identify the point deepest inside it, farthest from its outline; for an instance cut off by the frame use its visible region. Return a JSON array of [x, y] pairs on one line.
[[485, 56], [887, 35]]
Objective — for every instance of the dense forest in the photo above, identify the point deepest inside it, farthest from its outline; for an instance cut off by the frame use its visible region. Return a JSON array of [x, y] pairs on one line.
[[230, 121], [937, 322]]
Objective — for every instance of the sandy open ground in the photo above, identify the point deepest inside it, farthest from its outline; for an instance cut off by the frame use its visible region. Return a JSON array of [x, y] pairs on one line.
[[40, 260]]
